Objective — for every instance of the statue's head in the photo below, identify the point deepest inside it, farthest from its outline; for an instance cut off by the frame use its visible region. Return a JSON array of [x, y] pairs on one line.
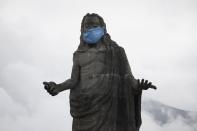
[[92, 20], [93, 28]]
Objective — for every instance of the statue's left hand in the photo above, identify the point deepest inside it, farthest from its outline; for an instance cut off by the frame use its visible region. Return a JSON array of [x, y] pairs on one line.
[[144, 84], [51, 87]]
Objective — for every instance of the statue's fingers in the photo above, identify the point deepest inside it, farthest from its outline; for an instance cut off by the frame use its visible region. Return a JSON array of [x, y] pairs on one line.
[[149, 84], [146, 82], [139, 84], [48, 90], [138, 81], [45, 83], [51, 90], [53, 94], [46, 87], [153, 87], [142, 81], [52, 83]]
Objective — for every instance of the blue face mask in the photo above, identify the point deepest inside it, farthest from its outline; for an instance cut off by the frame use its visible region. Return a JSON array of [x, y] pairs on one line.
[[93, 35]]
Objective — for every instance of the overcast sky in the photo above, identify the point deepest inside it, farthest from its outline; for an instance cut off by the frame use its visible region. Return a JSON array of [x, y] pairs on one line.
[[38, 38]]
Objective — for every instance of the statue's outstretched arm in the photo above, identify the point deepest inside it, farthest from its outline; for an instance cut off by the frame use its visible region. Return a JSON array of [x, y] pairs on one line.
[[53, 89], [136, 84], [71, 82]]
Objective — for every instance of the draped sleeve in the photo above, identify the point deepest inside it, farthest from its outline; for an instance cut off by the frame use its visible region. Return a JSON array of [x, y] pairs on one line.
[[131, 92], [74, 79], [126, 72]]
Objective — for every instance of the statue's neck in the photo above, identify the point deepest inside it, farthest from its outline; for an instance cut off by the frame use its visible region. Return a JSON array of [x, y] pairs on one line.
[[97, 45]]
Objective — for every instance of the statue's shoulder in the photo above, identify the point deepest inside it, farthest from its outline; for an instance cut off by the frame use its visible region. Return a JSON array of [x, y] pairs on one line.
[[114, 44], [79, 51], [117, 47]]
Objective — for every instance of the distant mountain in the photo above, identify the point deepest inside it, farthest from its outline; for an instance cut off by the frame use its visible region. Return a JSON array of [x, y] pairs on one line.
[[163, 114]]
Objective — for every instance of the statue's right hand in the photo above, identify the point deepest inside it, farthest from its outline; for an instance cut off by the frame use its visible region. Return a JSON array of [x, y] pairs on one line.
[[51, 87]]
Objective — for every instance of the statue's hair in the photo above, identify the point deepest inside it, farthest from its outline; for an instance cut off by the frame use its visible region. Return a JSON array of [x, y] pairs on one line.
[[106, 38]]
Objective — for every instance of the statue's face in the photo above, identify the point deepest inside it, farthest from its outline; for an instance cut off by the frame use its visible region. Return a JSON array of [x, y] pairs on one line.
[[91, 22]]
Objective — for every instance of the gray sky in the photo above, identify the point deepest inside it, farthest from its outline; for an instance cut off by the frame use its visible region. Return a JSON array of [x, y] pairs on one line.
[[38, 37]]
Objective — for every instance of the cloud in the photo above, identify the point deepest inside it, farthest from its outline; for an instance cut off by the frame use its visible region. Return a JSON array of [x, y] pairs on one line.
[[45, 116], [22, 82], [157, 116], [11, 108], [178, 124], [165, 114], [25, 105]]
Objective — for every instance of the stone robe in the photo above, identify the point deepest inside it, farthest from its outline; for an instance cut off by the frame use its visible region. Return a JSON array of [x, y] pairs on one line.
[[104, 95]]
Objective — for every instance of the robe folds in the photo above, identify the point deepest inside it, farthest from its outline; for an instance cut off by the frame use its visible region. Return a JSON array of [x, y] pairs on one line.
[[104, 95]]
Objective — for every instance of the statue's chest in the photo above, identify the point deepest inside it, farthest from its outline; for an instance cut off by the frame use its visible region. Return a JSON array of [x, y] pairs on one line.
[[91, 56]]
